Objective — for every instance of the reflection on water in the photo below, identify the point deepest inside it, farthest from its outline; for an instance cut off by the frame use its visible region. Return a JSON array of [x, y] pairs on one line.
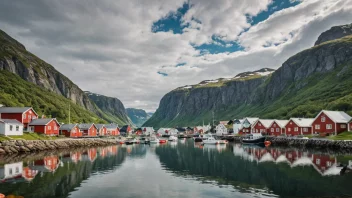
[[177, 169]]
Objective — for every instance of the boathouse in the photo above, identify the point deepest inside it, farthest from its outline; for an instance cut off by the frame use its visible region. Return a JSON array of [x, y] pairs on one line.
[[47, 126], [262, 126], [89, 130], [101, 129], [11, 127], [23, 114], [70, 130], [299, 126], [331, 122], [277, 127]]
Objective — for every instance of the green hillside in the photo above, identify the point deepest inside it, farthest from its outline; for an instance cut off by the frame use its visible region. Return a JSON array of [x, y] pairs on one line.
[[14, 91]]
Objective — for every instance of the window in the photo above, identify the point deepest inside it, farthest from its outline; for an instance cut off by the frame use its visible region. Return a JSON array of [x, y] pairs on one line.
[[256, 130], [289, 155], [317, 126], [343, 126], [17, 170], [49, 162], [17, 128], [274, 125], [329, 126], [24, 116], [328, 164], [29, 117], [11, 127], [10, 171], [49, 127], [260, 124], [296, 128], [305, 129], [290, 122], [289, 129], [277, 129], [272, 129], [317, 161], [323, 119], [55, 127]]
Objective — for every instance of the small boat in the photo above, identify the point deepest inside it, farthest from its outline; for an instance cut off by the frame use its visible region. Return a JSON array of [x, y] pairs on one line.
[[144, 140], [161, 141], [154, 140], [253, 139], [130, 141], [210, 140], [172, 138]]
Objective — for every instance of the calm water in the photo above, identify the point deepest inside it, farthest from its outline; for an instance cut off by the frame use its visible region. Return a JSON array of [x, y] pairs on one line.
[[181, 169]]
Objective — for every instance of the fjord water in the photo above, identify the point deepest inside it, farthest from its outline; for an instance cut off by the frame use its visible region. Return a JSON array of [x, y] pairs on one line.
[[182, 169]]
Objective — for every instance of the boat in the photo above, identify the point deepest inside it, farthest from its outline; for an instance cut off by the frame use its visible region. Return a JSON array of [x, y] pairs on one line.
[[144, 140], [162, 141], [130, 141], [172, 138], [210, 140], [253, 139], [154, 140]]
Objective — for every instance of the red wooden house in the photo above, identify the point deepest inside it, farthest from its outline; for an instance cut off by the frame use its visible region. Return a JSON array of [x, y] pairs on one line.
[[89, 130], [299, 126], [247, 125], [331, 122], [23, 114], [101, 129], [76, 157], [350, 126], [70, 130], [47, 126], [277, 127], [47, 164], [112, 129], [262, 126]]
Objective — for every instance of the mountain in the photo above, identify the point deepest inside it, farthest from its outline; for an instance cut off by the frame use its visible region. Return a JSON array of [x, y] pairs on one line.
[[113, 108], [138, 116], [314, 79], [40, 85]]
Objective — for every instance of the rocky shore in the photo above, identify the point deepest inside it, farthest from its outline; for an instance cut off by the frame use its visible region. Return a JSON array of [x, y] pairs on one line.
[[319, 144], [27, 146]]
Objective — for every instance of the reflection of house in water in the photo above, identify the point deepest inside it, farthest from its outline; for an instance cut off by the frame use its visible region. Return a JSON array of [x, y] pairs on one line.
[[90, 155], [11, 172], [323, 164], [103, 152], [29, 174], [113, 150], [47, 164], [76, 156]]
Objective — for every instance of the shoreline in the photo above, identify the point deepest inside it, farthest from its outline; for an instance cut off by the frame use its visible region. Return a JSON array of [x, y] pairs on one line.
[[32, 146]]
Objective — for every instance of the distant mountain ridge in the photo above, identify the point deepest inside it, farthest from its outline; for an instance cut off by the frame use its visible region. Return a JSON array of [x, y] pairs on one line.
[[14, 58], [138, 116], [314, 79]]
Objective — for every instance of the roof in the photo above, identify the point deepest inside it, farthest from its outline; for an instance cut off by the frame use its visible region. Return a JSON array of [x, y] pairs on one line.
[[224, 122], [67, 127], [251, 120], [14, 109], [99, 126], [238, 121], [111, 126], [44, 121], [10, 121], [180, 129], [266, 123], [337, 116], [85, 126], [124, 129], [303, 122], [281, 123]]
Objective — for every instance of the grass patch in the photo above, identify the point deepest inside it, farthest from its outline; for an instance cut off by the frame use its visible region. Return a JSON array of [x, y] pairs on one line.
[[342, 136], [28, 136]]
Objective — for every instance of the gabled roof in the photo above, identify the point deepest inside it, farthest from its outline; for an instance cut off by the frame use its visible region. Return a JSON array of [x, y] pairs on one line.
[[180, 129], [15, 109], [124, 128], [99, 126], [337, 116], [224, 122], [266, 122], [238, 121], [85, 126], [40, 122], [281, 123], [67, 127], [303, 122], [251, 120], [111, 126], [10, 121]]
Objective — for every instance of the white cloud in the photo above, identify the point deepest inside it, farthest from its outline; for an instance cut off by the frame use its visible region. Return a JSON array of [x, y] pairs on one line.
[[108, 47]]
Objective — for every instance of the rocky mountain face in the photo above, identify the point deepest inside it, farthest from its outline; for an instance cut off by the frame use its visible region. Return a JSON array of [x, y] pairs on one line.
[[112, 107], [316, 78], [137, 116], [15, 58]]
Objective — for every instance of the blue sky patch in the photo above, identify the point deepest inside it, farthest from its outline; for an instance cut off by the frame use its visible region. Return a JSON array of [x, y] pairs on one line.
[[162, 73], [181, 64], [172, 22], [219, 46], [277, 5]]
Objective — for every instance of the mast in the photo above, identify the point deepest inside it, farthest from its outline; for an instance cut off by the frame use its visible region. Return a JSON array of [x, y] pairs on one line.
[[69, 113]]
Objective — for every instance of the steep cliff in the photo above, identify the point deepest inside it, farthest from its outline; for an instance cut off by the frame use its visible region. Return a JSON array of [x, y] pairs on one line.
[[316, 78], [114, 110], [137, 116]]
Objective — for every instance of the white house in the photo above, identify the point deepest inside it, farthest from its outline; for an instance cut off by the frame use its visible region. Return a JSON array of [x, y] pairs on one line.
[[147, 130], [10, 171], [221, 129], [164, 131], [10, 127], [237, 126]]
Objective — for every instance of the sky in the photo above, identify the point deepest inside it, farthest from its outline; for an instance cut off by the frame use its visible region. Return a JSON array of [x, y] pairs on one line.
[[139, 50]]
